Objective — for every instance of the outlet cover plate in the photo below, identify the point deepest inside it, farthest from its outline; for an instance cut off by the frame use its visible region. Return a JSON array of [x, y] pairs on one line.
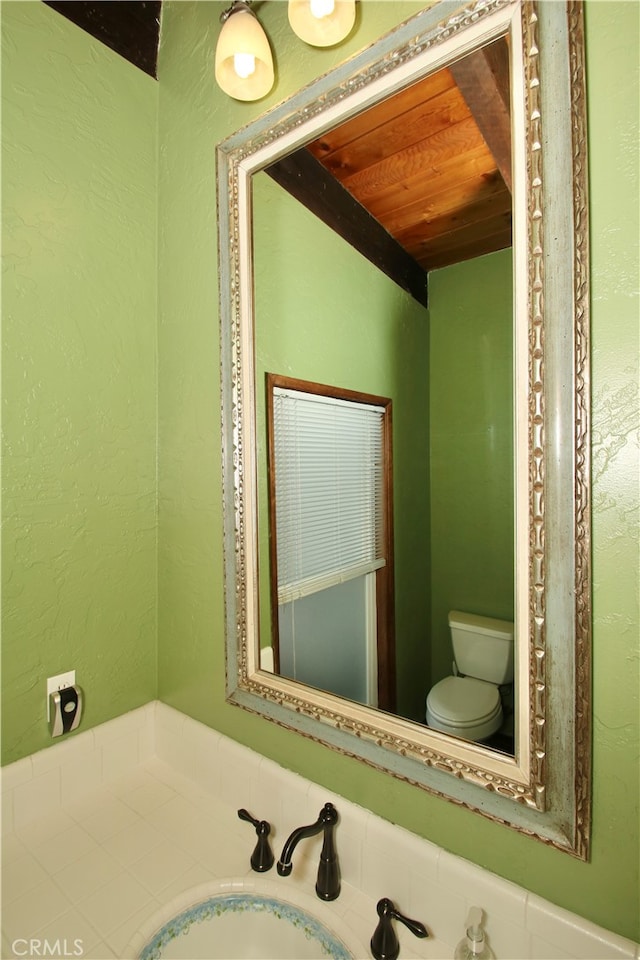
[[59, 683]]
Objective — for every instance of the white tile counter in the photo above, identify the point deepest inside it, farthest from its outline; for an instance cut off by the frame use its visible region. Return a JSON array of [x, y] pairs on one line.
[[106, 829]]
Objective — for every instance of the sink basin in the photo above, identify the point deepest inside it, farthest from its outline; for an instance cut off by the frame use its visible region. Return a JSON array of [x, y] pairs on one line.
[[240, 923]]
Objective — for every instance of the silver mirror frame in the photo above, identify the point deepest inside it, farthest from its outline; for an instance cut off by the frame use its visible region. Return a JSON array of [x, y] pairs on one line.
[[545, 790]]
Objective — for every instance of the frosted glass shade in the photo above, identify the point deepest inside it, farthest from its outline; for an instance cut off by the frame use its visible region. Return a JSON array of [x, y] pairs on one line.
[[244, 65], [322, 31]]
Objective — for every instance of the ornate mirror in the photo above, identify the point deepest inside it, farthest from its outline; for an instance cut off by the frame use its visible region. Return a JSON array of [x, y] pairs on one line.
[[506, 81]]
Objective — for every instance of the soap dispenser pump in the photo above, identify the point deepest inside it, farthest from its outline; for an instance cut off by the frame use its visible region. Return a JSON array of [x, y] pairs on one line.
[[473, 946]]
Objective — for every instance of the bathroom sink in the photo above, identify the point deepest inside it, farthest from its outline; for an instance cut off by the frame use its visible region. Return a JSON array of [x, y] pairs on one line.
[[237, 921]]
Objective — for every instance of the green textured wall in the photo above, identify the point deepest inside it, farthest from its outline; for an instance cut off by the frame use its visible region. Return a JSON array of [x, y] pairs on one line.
[[357, 329], [79, 138], [193, 117], [471, 445]]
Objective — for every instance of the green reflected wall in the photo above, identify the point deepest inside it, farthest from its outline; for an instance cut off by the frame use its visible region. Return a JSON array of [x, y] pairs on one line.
[[471, 445], [325, 314]]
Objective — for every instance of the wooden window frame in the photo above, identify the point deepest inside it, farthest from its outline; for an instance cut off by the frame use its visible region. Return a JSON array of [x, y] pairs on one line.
[[385, 593]]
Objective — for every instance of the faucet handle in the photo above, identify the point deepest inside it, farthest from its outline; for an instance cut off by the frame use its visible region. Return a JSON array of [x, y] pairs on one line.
[[262, 857], [384, 942]]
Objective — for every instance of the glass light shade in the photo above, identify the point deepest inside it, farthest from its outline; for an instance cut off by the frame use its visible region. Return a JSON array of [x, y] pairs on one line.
[[322, 31], [244, 65]]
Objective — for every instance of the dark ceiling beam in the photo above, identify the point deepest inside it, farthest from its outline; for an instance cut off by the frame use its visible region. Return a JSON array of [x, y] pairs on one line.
[[131, 29], [305, 178], [483, 79]]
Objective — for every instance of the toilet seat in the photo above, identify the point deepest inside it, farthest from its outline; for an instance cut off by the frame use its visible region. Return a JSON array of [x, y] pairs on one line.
[[465, 707]]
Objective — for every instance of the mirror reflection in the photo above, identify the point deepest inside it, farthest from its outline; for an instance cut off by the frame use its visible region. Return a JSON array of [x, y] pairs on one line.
[[383, 276], [303, 300]]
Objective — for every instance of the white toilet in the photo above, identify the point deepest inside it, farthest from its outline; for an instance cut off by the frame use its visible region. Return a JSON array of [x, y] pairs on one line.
[[468, 704]]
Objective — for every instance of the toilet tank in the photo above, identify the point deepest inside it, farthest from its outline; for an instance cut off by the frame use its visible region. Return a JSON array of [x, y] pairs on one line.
[[482, 646]]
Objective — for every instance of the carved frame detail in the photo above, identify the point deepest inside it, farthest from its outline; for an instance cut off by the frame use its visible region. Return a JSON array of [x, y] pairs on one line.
[[358, 732]]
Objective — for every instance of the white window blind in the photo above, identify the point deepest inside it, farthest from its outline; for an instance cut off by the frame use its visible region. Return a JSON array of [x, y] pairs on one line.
[[329, 485]]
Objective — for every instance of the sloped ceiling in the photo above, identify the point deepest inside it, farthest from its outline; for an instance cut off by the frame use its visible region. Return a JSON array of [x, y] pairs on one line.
[[433, 163], [132, 29], [421, 180]]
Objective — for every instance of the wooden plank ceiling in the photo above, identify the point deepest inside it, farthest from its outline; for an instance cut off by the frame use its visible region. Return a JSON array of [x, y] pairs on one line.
[[432, 165]]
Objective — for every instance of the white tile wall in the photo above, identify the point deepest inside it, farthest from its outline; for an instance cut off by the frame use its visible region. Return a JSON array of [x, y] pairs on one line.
[[115, 825]]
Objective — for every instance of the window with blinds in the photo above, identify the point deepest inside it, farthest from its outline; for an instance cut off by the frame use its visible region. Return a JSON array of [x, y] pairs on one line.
[[328, 459]]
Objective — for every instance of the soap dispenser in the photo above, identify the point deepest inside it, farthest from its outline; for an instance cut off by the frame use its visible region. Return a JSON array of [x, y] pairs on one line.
[[473, 946]]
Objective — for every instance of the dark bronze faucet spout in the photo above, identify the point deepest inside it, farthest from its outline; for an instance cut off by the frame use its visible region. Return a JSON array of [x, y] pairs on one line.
[[328, 882]]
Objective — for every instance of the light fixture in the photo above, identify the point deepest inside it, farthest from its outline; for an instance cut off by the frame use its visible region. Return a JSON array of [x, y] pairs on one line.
[[322, 23], [244, 65]]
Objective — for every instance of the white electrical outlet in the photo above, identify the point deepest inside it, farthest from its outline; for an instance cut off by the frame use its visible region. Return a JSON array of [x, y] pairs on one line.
[[59, 683]]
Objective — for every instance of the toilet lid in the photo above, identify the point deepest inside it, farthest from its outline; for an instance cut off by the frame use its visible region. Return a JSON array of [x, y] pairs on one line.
[[464, 700]]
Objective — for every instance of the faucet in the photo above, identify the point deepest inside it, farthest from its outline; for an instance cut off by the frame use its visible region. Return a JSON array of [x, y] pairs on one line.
[[262, 857], [384, 942], [328, 882]]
